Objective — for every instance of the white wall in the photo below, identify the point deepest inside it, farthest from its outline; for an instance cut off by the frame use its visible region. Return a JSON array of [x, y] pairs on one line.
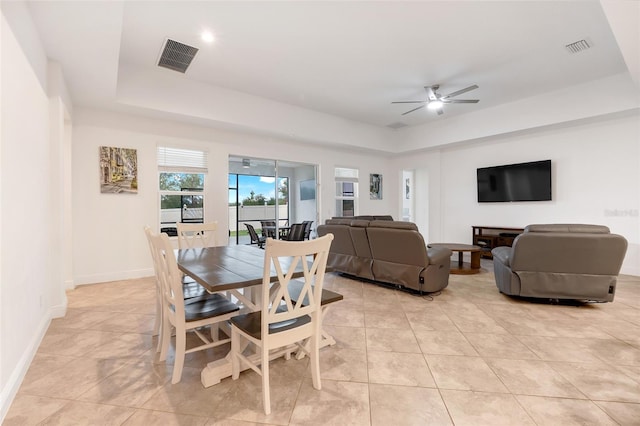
[[31, 283], [595, 175], [108, 241]]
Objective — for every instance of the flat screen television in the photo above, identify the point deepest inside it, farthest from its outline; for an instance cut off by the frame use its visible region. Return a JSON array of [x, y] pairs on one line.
[[515, 182]]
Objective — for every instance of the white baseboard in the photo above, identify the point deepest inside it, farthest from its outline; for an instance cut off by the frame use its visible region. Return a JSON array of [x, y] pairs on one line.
[[69, 285], [10, 389], [113, 276], [630, 271]]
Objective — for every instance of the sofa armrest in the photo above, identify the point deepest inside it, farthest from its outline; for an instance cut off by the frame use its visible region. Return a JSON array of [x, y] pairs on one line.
[[502, 255], [438, 255]]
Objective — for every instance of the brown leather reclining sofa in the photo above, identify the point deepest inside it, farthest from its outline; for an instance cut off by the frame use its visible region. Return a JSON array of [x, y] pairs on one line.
[[561, 261], [386, 251]]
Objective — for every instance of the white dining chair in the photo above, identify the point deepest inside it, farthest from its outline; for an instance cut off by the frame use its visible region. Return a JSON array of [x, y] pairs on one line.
[[157, 324], [282, 323], [190, 289], [185, 317], [197, 235]]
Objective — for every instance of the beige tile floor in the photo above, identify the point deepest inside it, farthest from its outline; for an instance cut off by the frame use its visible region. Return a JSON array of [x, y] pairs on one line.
[[468, 356]]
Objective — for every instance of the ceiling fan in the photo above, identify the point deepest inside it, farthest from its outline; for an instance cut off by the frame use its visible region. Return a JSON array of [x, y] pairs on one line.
[[435, 101]]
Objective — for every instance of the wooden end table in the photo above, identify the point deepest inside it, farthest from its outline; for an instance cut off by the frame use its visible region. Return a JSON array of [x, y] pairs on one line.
[[460, 267]]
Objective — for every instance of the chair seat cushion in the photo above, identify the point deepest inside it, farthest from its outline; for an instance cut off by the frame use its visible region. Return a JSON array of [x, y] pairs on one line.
[[209, 306], [251, 324], [328, 296]]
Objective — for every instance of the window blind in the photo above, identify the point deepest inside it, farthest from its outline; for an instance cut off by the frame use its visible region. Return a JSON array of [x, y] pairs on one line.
[[343, 174], [179, 159]]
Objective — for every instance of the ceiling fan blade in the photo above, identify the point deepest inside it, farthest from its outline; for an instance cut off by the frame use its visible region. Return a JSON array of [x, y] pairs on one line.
[[460, 101], [408, 102], [415, 109], [461, 91]]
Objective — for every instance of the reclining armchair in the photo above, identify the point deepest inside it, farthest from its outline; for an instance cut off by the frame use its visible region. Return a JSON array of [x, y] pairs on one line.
[[560, 261]]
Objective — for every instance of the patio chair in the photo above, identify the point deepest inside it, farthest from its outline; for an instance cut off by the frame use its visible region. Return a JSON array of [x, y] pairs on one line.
[[255, 239], [307, 228], [296, 233]]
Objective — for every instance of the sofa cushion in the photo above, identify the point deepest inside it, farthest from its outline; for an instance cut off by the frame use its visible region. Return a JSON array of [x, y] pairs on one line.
[[393, 225], [559, 227], [359, 223], [568, 252], [338, 221]]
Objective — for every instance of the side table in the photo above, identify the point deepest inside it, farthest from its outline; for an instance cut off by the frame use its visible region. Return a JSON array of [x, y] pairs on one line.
[[460, 267]]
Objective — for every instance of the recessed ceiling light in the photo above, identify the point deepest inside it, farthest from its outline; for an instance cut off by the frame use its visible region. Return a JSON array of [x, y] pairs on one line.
[[207, 36]]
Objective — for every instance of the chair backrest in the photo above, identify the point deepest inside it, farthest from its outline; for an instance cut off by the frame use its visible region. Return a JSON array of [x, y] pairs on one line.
[[168, 275], [568, 249], [296, 233], [307, 228], [252, 234], [271, 231], [149, 233], [193, 235], [278, 310]]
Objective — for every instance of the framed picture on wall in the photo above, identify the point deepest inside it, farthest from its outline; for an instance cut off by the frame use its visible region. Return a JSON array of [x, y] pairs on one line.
[[307, 190], [407, 189], [118, 170], [375, 186]]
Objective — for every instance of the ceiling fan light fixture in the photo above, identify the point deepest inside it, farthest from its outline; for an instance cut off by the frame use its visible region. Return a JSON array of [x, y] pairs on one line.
[[435, 105]]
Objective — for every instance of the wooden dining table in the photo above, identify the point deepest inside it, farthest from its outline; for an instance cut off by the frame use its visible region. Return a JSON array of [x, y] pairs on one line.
[[236, 270]]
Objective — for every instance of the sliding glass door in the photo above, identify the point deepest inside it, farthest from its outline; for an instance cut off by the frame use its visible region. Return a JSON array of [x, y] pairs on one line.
[[269, 195]]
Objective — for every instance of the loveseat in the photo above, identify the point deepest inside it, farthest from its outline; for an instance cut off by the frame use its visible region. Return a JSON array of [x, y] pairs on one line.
[[386, 251], [561, 261]]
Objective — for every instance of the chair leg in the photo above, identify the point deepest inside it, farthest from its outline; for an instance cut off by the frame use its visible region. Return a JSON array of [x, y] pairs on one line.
[[181, 344], [314, 361], [165, 339], [235, 349], [215, 332], [158, 321], [157, 326], [264, 367]]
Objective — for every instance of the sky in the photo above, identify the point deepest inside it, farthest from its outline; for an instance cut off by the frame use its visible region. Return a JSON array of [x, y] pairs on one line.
[[259, 184]]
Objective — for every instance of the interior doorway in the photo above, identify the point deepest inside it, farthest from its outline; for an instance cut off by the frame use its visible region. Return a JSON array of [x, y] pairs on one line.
[[271, 193]]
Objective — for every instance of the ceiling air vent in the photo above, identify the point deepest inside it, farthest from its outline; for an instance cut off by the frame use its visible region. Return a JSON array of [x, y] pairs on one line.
[[578, 46], [177, 56], [397, 125]]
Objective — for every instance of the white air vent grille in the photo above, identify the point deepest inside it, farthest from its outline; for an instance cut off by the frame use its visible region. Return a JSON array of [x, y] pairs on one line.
[[578, 46], [177, 56], [397, 125]]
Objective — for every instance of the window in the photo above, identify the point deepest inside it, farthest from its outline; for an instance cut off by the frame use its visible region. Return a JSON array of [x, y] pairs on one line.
[[181, 184], [346, 191]]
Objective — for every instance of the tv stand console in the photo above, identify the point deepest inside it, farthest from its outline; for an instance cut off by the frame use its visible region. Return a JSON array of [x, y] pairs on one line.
[[489, 237]]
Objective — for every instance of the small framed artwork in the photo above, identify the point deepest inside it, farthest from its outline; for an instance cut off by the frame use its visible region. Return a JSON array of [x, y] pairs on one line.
[[118, 170], [407, 189], [375, 186]]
